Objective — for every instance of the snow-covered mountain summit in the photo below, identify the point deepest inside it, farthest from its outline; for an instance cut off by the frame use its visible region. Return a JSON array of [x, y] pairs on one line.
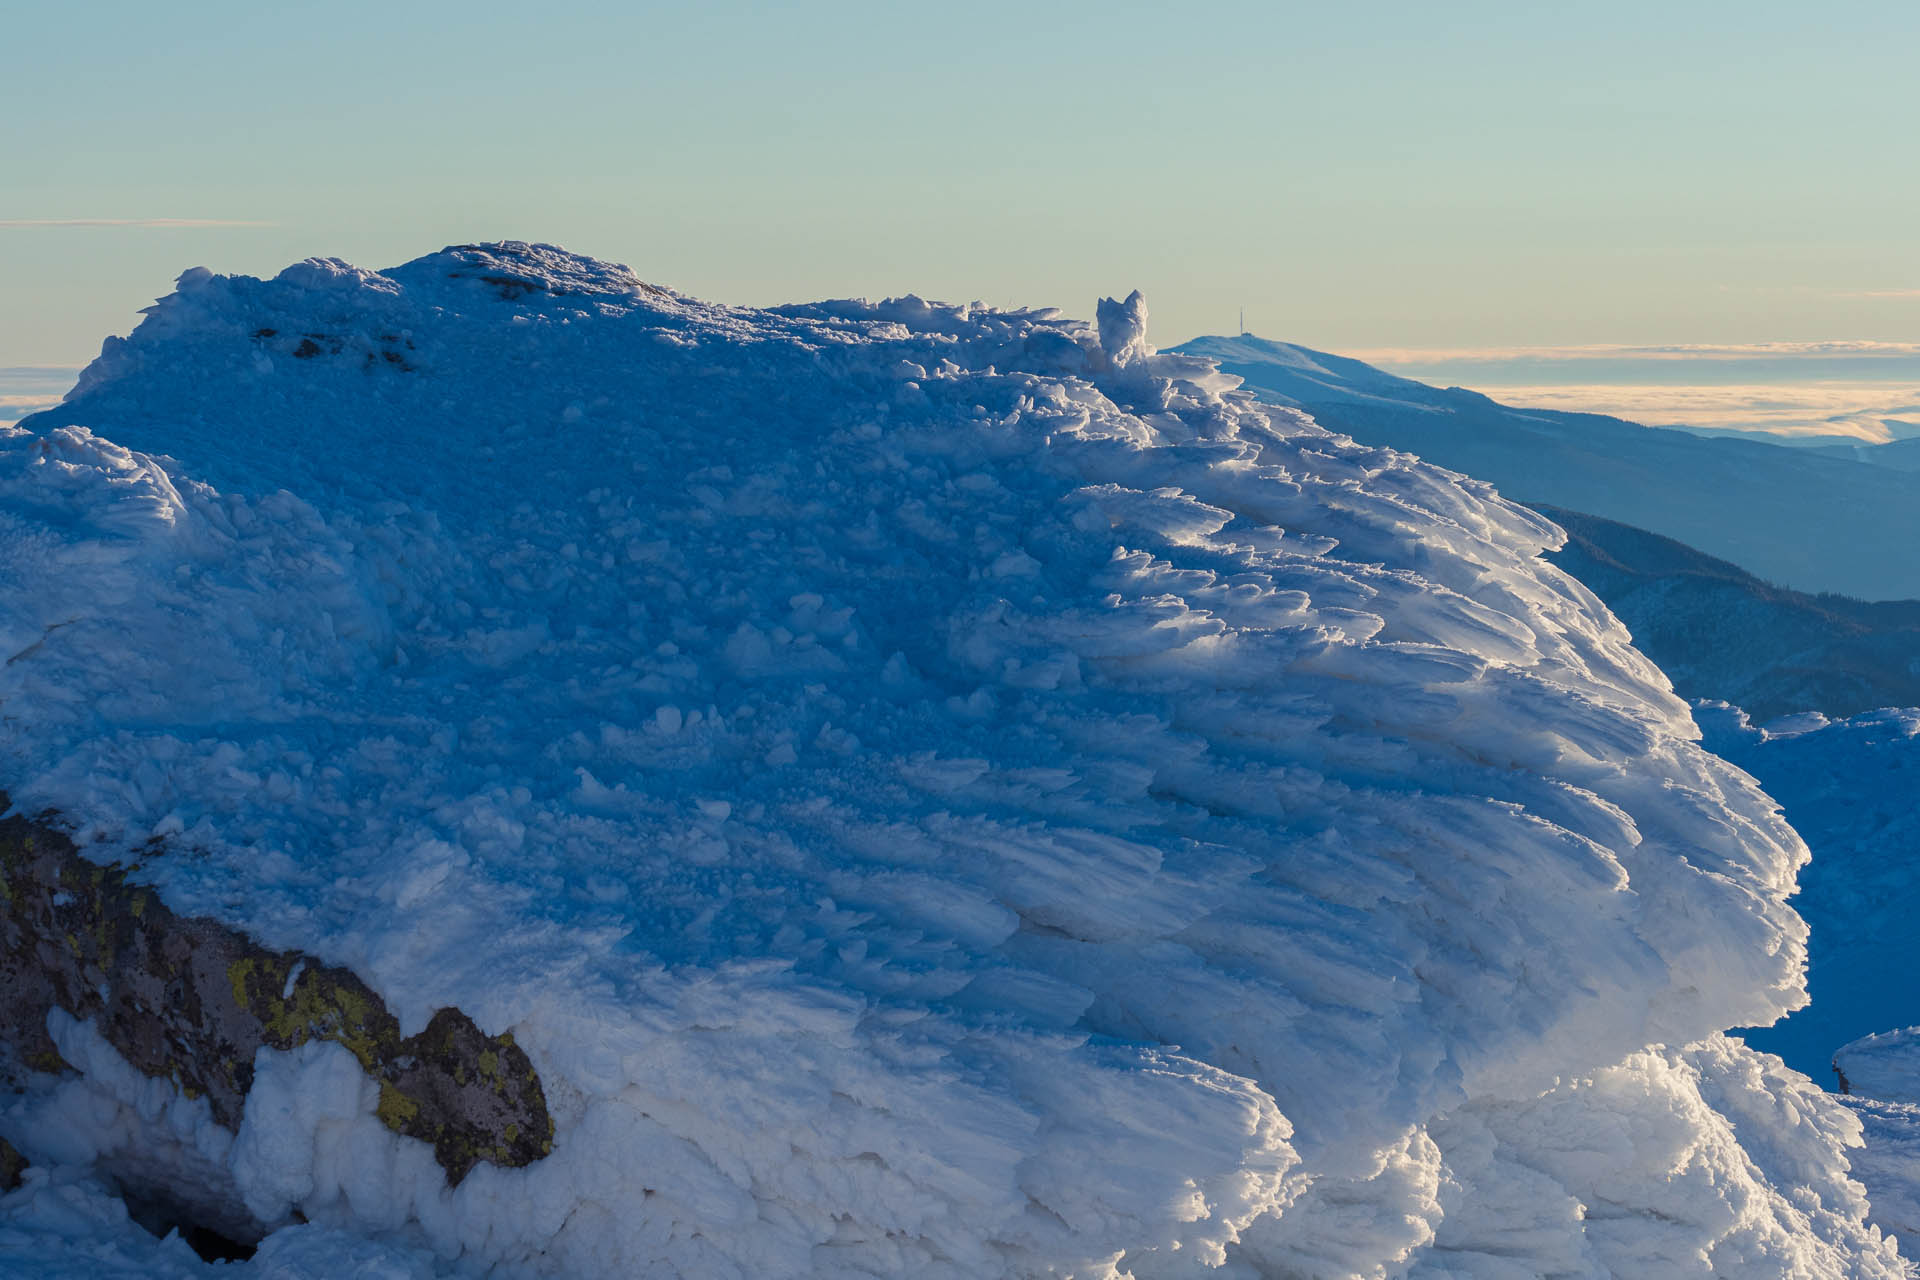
[[934, 791]]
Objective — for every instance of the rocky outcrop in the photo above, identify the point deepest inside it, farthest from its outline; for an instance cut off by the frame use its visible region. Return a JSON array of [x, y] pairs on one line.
[[12, 1165], [191, 1000]]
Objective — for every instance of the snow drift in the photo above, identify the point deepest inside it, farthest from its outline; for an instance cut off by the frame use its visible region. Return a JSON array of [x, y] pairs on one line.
[[934, 791], [1883, 1074]]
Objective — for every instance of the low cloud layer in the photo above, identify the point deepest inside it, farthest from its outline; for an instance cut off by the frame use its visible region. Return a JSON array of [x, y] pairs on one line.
[[1865, 390], [14, 408], [31, 389], [1872, 412]]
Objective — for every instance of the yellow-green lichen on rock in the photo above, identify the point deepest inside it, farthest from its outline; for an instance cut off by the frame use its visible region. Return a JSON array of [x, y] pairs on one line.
[[188, 999]]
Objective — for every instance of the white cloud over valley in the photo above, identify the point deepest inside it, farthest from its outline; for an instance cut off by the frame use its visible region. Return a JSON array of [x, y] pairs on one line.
[[1865, 389], [1862, 411]]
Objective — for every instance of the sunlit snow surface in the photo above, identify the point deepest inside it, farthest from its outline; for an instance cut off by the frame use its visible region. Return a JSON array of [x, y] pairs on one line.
[[937, 792]]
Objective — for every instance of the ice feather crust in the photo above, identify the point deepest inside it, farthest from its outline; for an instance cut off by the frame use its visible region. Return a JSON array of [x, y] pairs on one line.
[[936, 791]]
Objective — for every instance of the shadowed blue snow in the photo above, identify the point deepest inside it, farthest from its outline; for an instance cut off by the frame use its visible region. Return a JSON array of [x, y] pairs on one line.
[[1847, 786], [936, 791]]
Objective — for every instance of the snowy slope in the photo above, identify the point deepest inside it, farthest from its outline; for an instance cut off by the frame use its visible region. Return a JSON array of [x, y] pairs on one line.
[[936, 792], [1848, 787], [1883, 1073], [1805, 518]]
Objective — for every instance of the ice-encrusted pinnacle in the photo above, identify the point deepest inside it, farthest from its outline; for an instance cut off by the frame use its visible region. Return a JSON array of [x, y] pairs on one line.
[[1123, 329]]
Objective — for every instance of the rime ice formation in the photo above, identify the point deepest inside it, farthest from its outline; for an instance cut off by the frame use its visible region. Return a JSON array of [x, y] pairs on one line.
[[934, 791]]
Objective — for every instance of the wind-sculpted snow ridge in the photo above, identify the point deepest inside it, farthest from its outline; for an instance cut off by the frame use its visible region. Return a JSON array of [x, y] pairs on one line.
[[934, 791]]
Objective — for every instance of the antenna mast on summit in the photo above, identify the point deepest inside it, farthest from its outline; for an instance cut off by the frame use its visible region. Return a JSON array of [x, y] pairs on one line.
[[1243, 322]]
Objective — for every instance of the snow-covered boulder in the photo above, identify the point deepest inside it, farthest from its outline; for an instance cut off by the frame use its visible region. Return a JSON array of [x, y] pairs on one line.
[[933, 791], [1881, 1075], [1884, 1066]]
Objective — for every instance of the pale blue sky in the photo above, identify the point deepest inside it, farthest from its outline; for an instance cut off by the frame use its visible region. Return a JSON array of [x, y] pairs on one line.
[[1358, 176]]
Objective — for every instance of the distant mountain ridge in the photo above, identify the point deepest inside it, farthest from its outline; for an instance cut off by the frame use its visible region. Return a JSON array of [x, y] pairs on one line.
[[1904, 455], [1816, 520], [1721, 633]]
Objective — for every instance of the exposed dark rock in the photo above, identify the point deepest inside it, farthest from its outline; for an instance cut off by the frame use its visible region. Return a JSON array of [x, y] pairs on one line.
[[12, 1165], [219, 1231], [214, 1247], [192, 1000], [509, 288]]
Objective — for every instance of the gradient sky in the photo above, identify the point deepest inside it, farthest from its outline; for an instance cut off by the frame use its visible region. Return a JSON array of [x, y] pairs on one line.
[[1358, 176]]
